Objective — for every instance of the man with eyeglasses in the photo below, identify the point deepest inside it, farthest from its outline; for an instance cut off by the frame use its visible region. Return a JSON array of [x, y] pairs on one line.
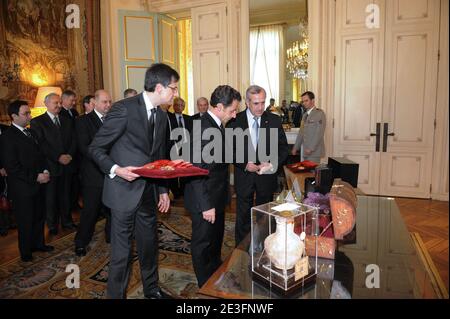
[[27, 174], [134, 134]]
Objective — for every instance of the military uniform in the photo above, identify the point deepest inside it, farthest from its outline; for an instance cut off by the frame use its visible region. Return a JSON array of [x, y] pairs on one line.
[[311, 134]]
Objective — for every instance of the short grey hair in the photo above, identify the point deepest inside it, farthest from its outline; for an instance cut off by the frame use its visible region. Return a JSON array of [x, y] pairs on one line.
[[253, 89], [202, 98], [49, 96]]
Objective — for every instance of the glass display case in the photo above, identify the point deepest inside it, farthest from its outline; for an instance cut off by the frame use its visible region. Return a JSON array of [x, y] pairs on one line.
[[279, 235]]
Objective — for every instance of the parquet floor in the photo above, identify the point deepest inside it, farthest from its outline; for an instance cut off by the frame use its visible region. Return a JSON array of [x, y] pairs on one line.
[[427, 217], [430, 219]]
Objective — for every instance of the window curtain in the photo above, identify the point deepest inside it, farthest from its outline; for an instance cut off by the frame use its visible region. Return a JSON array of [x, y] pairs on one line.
[[265, 59]]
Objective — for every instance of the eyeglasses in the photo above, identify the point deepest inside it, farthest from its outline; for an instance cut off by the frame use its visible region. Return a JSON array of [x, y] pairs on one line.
[[174, 89]]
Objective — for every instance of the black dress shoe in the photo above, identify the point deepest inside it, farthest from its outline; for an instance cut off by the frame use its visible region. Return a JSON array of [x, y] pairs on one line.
[[45, 248], [26, 258], [80, 251], [53, 231], [158, 294]]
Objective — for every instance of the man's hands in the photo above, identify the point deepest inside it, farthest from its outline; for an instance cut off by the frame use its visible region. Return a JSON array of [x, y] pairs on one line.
[[210, 215], [252, 167], [294, 152], [43, 178], [164, 203], [64, 159], [126, 173], [307, 151]]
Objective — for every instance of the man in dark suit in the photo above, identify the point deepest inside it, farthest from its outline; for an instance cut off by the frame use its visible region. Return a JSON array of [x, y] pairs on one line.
[[134, 134], [206, 197], [91, 175], [69, 111], [68, 102], [4, 215], [297, 114], [202, 107], [27, 174], [183, 121], [57, 140], [252, 176]]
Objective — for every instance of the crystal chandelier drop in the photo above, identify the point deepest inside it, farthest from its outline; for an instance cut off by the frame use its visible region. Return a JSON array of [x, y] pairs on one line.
[[297, 54]]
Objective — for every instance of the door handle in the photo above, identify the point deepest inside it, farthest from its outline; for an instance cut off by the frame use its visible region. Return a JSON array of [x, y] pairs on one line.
[[377, 134], [385, 136]]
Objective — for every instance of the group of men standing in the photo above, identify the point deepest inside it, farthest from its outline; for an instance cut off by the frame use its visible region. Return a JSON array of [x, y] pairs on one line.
[[44, 165], [133, 133]]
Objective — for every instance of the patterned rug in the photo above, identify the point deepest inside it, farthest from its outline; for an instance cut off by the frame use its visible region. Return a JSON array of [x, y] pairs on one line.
[[46, 277]]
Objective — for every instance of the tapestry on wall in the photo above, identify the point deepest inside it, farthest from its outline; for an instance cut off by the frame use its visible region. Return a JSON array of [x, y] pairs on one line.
[[37, 49]]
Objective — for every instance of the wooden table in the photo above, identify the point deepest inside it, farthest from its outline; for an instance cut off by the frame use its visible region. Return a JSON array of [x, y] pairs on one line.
[[291, 176]]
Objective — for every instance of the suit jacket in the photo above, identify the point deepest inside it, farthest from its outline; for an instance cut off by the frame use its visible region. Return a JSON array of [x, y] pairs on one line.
[[123, 140], [297, 115], [173, 125], [86, 128], [174, 122], [3, 129], [312, 133], [23, 161], [206, 192], [66, 114], [244, 178], [55, 141]]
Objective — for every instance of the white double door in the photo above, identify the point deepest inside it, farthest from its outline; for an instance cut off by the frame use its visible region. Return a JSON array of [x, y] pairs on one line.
[[385, 93]]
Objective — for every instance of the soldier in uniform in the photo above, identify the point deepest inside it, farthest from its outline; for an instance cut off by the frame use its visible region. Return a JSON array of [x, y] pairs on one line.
[[312, 130]]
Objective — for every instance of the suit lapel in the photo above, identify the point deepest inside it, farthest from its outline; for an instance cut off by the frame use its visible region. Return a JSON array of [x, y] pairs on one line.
[[22, 136], [160, 131], [95, 120], [142, 109]]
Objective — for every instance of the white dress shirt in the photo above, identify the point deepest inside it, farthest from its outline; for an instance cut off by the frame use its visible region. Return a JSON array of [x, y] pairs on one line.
[[215, 118], [149, 106]]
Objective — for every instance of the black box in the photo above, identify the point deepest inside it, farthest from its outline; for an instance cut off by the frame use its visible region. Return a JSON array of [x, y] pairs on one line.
[[345, 169], [323, 178]]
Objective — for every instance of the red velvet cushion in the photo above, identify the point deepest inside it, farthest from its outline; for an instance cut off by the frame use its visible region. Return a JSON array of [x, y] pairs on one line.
[[169, 169]]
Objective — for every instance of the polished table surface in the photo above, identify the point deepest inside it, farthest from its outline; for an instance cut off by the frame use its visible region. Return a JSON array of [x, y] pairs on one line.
[[382, 242]]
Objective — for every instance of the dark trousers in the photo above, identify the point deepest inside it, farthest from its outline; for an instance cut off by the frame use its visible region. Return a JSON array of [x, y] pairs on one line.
[[143, 221], [92, 206], [30, 217], [206, 245], [245, 200], [58, 200], [177, 186]]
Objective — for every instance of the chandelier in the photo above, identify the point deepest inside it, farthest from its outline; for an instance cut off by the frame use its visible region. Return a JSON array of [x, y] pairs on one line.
[[297, 54]]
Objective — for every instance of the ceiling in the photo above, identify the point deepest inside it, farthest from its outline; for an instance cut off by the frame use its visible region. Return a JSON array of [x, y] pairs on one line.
[[277, 11], [274, 4]]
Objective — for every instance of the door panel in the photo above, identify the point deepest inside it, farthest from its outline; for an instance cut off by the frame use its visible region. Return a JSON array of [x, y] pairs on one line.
[[358, 90], [410, 96], [405, 174], [369, 167], [387, 76], [138, 47], [168, 40], [209, 48]]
